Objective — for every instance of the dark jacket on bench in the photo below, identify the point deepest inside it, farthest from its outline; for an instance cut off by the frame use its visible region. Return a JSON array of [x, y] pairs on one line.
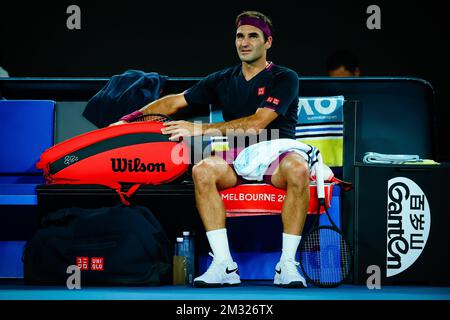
[[123, 94]]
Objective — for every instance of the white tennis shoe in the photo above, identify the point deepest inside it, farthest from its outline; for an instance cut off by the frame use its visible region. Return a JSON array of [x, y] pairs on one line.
[[219, 274], [287, 275]]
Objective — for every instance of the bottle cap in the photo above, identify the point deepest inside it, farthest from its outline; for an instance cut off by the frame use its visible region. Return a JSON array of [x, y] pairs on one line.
[[179, 239], [186, 233]]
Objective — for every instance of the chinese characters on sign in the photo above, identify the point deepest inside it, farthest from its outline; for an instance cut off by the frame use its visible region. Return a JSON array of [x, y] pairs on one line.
[[416, 217]]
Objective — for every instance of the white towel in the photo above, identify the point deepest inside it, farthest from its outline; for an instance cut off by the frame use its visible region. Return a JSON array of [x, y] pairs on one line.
[[254, 160], [373, 157]]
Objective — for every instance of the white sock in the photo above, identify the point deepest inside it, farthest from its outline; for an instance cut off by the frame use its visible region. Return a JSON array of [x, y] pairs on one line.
[[290, 246], [218, 242]]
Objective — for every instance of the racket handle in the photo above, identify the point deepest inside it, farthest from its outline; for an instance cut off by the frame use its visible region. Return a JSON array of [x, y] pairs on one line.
[[320, 178], [132, 116]]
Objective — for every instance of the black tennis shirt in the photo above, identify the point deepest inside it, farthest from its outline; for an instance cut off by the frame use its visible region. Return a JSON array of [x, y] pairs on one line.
[[275, 87]]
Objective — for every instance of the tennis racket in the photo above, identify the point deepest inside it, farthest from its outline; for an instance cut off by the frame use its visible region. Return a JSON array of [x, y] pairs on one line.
[[326, 258], [153, 117]]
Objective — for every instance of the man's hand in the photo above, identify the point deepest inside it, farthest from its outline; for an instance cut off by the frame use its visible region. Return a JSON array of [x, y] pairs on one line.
[[178, 129], [117, 123]]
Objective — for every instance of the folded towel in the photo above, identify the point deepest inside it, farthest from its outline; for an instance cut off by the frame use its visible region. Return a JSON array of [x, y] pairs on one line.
[[373, 157], [253, 161]]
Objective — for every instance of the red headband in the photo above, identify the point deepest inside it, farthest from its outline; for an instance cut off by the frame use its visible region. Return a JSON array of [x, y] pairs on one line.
[[258, 23]]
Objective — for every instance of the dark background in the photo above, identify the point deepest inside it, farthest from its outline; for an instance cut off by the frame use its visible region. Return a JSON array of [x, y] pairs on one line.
[[195, 38]]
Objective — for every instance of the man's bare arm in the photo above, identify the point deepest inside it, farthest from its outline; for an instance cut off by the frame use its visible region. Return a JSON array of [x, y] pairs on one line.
[[247, 125], [167, 105], [254, 123]]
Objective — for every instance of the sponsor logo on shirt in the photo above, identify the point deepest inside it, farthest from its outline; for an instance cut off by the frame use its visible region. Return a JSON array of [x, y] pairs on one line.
[[261, 91], [276, 101], [269, 99]]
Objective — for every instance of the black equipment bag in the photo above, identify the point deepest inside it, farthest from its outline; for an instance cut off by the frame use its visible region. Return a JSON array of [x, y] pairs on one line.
[[112, 246]]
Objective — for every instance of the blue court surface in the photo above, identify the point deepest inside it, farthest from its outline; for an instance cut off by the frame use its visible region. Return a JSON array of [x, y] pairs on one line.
[[251, 290]]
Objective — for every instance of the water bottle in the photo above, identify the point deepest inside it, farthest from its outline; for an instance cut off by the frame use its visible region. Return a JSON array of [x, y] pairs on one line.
[[188, 243], [179, 263]]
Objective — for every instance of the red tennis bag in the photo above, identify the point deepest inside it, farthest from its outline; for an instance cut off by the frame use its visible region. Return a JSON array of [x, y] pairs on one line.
[[134, 153]]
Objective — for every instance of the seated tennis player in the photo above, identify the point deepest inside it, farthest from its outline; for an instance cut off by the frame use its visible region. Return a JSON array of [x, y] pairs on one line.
[[254, 95]]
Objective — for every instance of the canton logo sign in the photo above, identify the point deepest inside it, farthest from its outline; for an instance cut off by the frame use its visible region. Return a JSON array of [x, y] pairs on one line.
[[408, 224]]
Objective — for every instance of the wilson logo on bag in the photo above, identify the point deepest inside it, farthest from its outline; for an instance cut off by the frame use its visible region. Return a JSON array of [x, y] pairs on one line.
[[136, 165], [135, 153]]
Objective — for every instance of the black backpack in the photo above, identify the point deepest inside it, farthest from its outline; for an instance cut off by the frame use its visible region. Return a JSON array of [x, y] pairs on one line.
[[112, 246]]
